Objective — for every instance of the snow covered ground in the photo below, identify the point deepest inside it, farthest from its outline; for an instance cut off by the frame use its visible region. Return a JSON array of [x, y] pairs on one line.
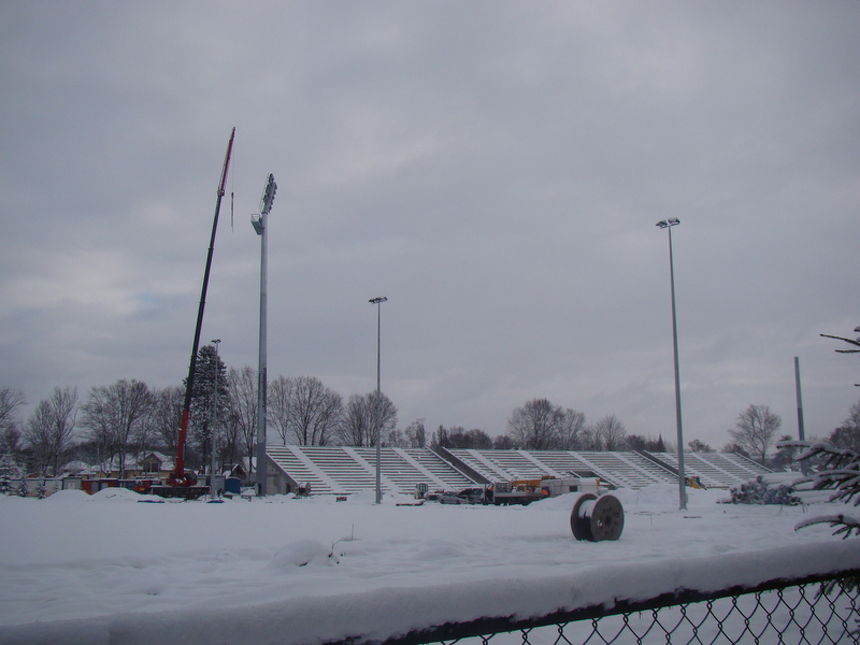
[[107, 569]]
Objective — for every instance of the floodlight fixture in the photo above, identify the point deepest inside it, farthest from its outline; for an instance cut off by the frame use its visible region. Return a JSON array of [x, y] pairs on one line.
[[379, 300], [268, 195], [667, 223], [257, 223]]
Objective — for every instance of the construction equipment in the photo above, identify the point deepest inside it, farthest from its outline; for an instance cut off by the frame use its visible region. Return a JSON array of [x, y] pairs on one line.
[[182, 483], [525, 491]]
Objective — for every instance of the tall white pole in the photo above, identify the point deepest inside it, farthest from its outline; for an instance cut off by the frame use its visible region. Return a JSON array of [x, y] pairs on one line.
[[260, 227], [212, 491], [377, 408], [682, 478], [801, 433], [262, 380]]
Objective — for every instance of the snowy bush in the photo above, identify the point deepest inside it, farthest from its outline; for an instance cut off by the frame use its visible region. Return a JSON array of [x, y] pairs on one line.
[[767, 489]]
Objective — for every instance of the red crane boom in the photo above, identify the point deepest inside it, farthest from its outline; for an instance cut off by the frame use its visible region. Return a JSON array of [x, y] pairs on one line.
[[179, 477]]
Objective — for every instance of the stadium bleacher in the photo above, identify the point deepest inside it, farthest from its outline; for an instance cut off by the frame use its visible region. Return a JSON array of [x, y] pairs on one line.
[[344, 469]]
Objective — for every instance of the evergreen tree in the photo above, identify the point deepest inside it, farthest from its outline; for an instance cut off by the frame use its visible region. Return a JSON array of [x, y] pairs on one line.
[[839, 472], [210, 401], [9, 472]]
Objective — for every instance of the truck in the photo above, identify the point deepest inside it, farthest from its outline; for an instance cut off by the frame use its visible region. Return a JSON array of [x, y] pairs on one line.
[[526, 491]]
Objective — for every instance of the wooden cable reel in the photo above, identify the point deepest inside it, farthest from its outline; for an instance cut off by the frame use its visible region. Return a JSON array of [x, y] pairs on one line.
[[596, 518]]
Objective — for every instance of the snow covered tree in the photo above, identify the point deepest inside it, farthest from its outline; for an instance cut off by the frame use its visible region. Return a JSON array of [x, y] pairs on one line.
[[754, 430], [839, 472], [9, 472], [853, 342], [209, 401]]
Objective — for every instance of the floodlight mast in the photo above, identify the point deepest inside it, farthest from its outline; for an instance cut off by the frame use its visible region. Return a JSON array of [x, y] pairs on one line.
[[179, 477], [259, 224], [378, 401], [682, 478]]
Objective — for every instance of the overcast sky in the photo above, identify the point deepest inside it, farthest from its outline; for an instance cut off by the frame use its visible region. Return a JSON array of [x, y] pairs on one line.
[[494, 168]]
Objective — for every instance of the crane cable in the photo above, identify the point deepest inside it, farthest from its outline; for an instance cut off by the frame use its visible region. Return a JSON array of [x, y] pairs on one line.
[[232, 185]]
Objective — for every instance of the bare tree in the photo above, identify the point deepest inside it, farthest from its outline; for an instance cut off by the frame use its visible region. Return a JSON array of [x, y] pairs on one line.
[[355, 426], [535, 425], [699, 446], [10, 434], [278, 406], [315, 411], [571, 431], [115, 414], [416, 436], [10, 401], [242, 388], [359, 425], [164, 415], [610, 433], [754, 430], [51, 427], [542, 425]]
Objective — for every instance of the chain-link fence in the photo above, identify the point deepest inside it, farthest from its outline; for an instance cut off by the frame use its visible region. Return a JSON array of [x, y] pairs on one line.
[[810, 610]]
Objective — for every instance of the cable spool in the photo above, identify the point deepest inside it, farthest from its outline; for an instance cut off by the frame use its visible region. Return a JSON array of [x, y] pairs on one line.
[[597, 518]]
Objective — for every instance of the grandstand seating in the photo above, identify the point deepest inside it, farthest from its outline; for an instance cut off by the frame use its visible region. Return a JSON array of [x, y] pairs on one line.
[[342, 469]]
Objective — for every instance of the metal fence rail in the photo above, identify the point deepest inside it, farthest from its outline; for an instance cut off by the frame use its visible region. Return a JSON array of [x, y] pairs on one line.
[[814, 609]]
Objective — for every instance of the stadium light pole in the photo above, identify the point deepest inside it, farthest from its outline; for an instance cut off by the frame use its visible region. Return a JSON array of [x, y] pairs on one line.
[[378, 403], [212, 491], [259, 224], [682, 483]]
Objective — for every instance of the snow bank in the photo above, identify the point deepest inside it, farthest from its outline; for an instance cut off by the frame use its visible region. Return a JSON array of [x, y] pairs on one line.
[[83, 569], [399, 610]]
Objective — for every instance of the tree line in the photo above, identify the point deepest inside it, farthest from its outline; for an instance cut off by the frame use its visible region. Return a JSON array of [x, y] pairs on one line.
[[540, 424], [128, 418], [124, 420]]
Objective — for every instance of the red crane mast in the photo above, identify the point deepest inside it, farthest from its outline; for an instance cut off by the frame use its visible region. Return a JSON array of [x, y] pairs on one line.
[[179, 477]]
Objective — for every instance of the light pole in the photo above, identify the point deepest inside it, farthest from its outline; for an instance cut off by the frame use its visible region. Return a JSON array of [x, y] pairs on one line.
[[212, 490], [682, 483], [378, 403], [259, 224]]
